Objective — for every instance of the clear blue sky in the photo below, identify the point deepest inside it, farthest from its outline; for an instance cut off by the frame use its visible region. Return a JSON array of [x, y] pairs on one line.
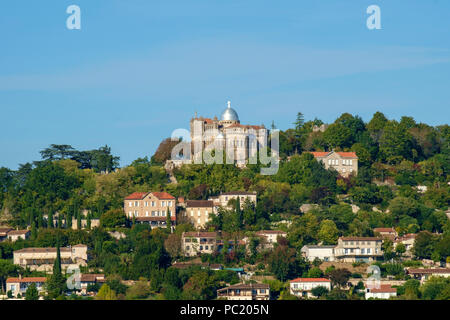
[[138, 69]]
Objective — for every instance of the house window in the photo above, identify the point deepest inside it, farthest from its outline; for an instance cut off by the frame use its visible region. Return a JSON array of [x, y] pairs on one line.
[[351, 162], [146, 213], [192, 213], [187, 247], [198, 213], [163, 203], [368, 250], [136, 204], [206, 247], [201, 247], [169, 203], [362, 251], [130, 204], [198, 220], [153, 203]]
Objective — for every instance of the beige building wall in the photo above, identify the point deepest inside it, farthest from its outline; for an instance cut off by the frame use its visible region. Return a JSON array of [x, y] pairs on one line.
[[351, 249], [194, 243], [150, 206], [199, 212], [345, 163], [42, 259]]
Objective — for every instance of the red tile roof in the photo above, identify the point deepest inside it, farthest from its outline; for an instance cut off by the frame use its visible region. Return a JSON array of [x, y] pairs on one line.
[[200, 234], [360, 239], [199, 204], [22, 280], [383, 289], [91, 277], [430, 271], [136, 196], [163, 195], [384, 230], [311, 280], [322, 154], [319, 154], [17, 232]]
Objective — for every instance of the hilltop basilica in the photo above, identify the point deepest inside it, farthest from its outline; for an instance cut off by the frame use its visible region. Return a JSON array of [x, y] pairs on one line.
[[228, 134]]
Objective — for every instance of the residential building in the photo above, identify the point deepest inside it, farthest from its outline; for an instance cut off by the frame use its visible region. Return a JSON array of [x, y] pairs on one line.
[[423, 274], [408, 241], [301, 287], [352, 249], [150, 207], [324, 253], [87, 280], [15, 235], [383, 291], [194, 243], [386, 233], [4, 233], [222, 199], [42, 259], [345, 163], [198, 212], [252, 291], [197, 242], [20, 285], [270, 237]]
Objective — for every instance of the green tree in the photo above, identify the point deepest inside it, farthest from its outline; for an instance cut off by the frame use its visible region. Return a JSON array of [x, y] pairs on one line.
[[56, 283], [319, 291], [32, 293], [105, 293], [340, 277], [328, 232]]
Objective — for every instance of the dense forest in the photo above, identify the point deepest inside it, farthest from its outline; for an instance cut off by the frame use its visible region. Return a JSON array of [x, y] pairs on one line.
[[394, 158]]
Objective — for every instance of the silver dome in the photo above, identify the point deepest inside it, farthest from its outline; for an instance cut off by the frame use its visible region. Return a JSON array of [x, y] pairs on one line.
[[229, 114]]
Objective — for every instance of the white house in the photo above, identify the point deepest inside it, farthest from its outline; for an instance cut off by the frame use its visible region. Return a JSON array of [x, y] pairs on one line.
[[302, 287], [383, 291], [324, 253]]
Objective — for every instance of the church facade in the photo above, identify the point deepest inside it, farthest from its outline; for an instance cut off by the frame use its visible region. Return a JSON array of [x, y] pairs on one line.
[[239, 142]]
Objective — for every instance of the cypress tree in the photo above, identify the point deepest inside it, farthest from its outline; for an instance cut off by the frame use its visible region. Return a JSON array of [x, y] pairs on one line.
[[56, 284], [78, 220], [50, 219], [40, 220], [88, 222], [33, 231], [168, 221]]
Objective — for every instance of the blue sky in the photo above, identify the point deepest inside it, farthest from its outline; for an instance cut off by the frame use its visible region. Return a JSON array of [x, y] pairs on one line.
[[139, 69]]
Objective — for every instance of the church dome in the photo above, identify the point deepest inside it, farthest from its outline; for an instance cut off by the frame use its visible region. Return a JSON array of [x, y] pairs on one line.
[[229, 114]]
